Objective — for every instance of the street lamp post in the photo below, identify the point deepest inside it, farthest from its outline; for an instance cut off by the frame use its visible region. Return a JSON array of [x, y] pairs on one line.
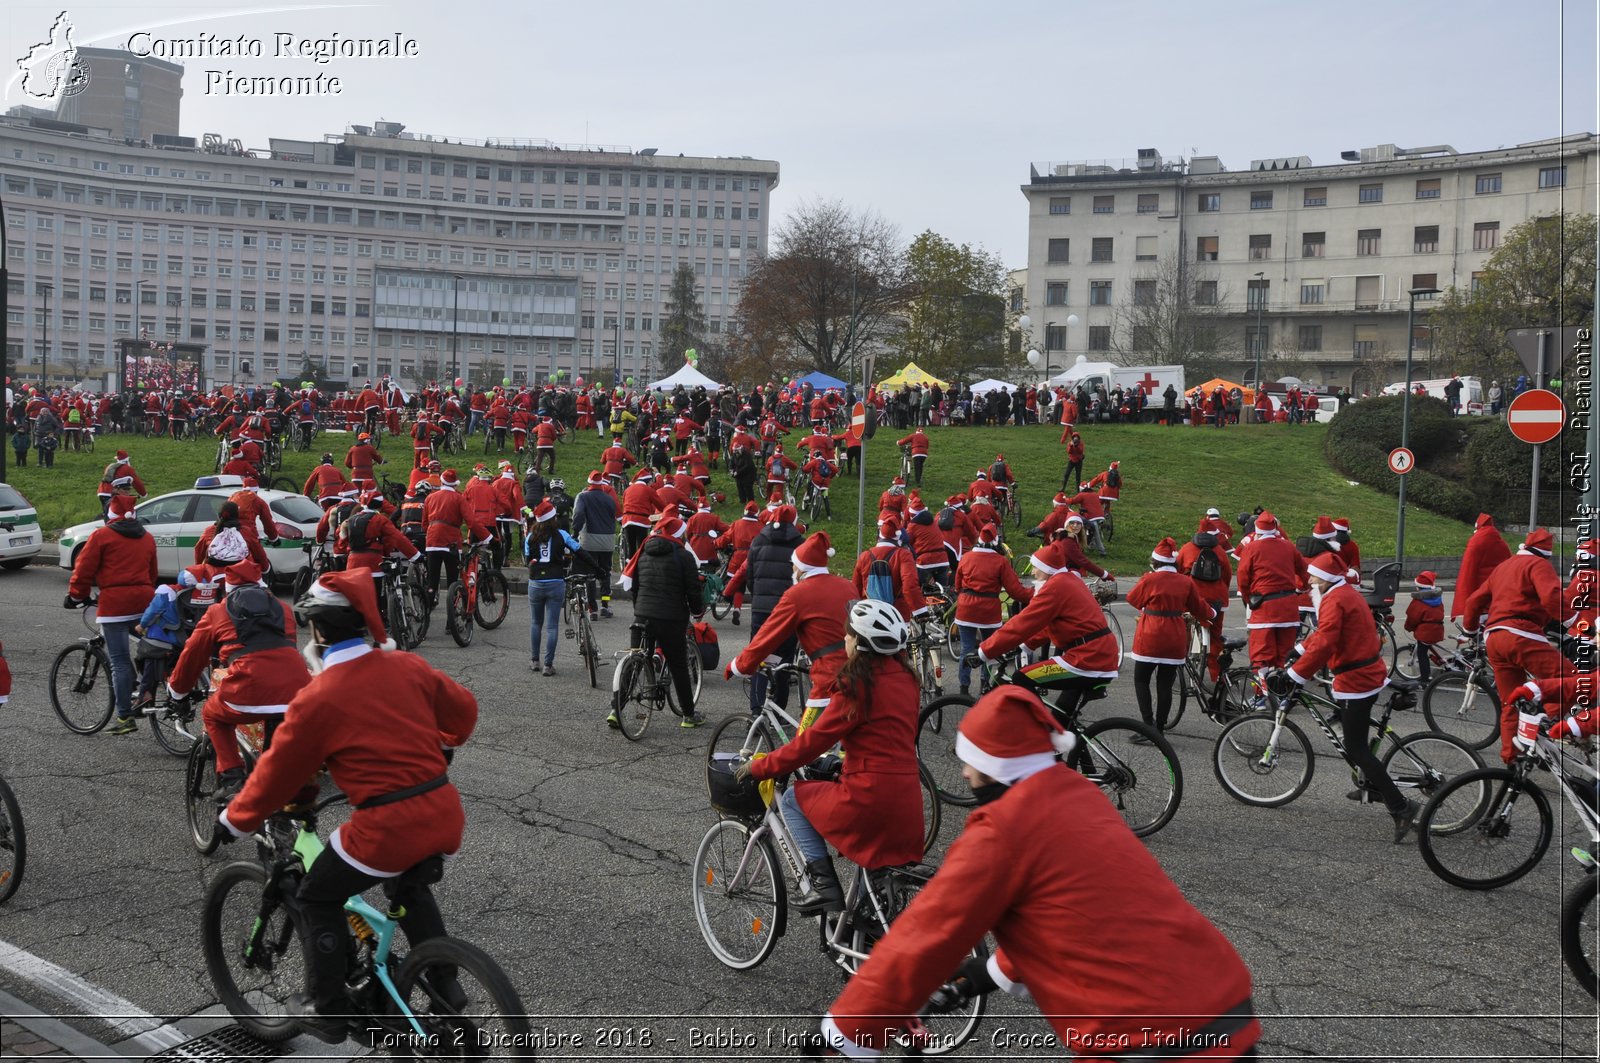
[[45, 290], [616, 353], [1261, 302], [1405, 421], [455, 329]]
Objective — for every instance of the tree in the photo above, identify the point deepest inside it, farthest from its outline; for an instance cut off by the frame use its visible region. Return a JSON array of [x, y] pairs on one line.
[[487, 373], [954, 319], [1176, 315], [313, 368], [428, 370], [1542, 274], [831, 281], [684, 325]]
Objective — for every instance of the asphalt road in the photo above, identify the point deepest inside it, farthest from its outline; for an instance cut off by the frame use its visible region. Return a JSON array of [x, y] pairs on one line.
[[575, 876]]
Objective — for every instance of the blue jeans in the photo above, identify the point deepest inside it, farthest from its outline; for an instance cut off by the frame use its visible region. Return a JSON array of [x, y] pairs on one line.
[[474, 417], [812, 846], [970, 638], [545, 598], [116, 635]]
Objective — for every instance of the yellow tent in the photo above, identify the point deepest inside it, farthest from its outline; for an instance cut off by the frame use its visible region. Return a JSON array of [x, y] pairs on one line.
[[911, 374]]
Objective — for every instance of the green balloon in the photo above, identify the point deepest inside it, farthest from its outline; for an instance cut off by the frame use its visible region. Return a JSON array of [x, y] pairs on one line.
[[630, 381], [690, 354], [506, 381]]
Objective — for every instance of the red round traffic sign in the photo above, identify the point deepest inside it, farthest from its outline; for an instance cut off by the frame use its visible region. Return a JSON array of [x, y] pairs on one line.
[[1401, 461], [858, 420], [1536, 416]]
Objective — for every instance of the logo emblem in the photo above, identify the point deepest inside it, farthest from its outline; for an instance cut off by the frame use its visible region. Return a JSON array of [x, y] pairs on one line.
[[52, 69]]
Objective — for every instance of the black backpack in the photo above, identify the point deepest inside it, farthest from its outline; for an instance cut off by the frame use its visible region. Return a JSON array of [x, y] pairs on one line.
[[258, 620], [947, 519], [1113, 478], [1207, 567], [354, 530]]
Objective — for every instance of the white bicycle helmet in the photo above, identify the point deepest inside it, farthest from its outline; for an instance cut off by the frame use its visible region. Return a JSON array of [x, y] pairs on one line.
[[879, 626]]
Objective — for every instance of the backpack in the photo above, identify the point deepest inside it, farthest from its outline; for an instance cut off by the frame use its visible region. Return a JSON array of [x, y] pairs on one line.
[[825, 468], [1207, 567], [354, 530], [947, 519], [229, 544], [880, 578], [341, 513], [705, 642], [1113, 477], [997, 472], [258, 619]]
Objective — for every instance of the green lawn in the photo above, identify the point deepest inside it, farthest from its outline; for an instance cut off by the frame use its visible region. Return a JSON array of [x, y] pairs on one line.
[[1170, 477]]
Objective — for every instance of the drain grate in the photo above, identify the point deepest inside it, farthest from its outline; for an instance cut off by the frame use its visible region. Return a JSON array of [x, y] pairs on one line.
[[228, 1043]]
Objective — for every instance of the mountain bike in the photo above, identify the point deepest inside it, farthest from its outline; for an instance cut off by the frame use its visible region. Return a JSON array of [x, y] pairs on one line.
[[319, 559], [815, 503], [1488, 828], [481, 597], [929, 637], [1105, 592], [1010, 506], [742, 874], [1580, 926], [1129, 760], [642, 684], [407, 604], [200, 783], [1463, 700], [575, 610], [1230, 695], [1264, 759], [715, 575], [257, 951], [13, 843]]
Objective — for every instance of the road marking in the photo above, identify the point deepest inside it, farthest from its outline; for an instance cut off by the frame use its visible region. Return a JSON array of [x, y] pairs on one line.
[[121, 1015]]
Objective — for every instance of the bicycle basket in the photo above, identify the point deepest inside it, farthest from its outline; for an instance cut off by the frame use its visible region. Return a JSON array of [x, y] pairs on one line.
[[1105, 592], [729, 795]]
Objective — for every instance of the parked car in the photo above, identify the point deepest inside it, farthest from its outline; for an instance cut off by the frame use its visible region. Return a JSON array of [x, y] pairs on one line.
[[178, 519], [20, 537]]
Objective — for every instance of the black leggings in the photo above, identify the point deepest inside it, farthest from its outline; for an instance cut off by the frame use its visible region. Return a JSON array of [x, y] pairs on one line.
[[673, 638], [1165, 675], [1355, 717], [450, 561]]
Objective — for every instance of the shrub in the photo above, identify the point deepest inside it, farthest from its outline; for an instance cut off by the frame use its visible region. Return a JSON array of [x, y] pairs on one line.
[[1500, 468], [1362, 434]]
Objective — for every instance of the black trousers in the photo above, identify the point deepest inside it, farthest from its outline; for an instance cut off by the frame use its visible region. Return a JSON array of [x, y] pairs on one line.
[[758, 683], [598, 566], [1164, 675], [1355, 719], [330, 882], [633, 537], [1071, 478], [673, 638], [917, 462], [450, 561]]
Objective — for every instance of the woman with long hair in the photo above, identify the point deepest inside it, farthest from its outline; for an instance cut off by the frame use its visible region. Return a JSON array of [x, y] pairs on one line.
[[547, 549]]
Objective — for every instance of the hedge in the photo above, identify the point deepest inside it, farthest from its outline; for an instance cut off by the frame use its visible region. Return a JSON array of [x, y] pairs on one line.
[[1500, 468], [1361, 436]]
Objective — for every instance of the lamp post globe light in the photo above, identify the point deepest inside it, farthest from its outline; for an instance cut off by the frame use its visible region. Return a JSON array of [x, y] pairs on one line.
[[1405, 419]]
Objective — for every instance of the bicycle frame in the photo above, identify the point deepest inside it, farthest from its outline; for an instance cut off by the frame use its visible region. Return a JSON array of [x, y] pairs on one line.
[[1572, 771]]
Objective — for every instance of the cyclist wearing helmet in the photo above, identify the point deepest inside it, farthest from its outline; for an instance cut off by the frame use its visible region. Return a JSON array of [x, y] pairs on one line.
[[360, 460], [873, 814], [384, 723], [325, 482]]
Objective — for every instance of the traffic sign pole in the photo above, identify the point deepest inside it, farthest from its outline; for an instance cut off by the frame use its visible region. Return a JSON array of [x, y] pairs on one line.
[[1538, 382]]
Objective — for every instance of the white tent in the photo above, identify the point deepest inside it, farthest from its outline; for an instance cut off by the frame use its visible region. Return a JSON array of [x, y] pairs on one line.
[[983, 387], [689, 377], [1080, 369]]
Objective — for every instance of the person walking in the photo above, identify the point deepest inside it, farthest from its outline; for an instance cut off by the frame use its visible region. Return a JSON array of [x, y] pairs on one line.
[[119, 559], [1486, 550], [981, 576], [547, 549], [594, 523], [1164, 597]]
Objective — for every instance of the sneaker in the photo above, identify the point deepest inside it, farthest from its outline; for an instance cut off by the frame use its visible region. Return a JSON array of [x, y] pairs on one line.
[[693, 720], [549, 669], [329, 1029], [594, 616], [606, 613], [964, 691], [736, 618], [123, 725], [145, 700], [229, 783], [1405, 820], [533, 666], [612, 721]]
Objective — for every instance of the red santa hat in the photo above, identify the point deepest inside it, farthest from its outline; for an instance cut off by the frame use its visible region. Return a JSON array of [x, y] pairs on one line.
[[1537, 542], [449, 478], [250, 483], [542, 512], [434, 465], [915, 505], [670, 527], [1073, 518], [595, 479], [1328, 566], [1009, 735], [1165, 553], [989, 534], [242, 573], [888, 528], [1266, 525], [1324, 529], [1484, 521], [751, 508], [122, 455], [1341, 524], [1588, 548], [811, 556], [353, 588], [1061, 499], [785, 515], [121, 508], [644, 476], [1425, 580], [506, 467]]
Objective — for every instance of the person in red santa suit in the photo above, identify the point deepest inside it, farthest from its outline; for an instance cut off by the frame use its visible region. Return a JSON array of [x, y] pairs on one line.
[[1521, 598], [371, 537], [813, 611], [446, 511], [1271, 573], [705, 532], [891, 551], [1060, 509], [1573, 696], [325, 482], [1209, 540], [1164, 597], [1346, 643], [384, 723], [873, 814], [981, 576], [252, 636], [1088, 654], [1017, 871], [742, 533], [1348, 549], [1486, 549], [1065, 552], [893, 501]]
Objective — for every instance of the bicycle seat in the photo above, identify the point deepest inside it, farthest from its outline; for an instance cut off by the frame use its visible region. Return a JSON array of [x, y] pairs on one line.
[[1234, 644], [426, 873], [1401, 685]]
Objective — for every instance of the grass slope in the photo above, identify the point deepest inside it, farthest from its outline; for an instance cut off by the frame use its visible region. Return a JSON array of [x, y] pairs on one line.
[[1170, 477]]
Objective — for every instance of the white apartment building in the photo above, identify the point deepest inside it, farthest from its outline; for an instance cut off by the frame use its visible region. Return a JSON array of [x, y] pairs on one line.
[[1302, 262], [371, 251]]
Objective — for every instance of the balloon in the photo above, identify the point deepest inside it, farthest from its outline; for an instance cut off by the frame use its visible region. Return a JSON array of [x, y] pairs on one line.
[[579, 381], [689, 355], [1033, 357], [1024, 322], [458, 381], [1072, 319], [505, 380], [630, 381]]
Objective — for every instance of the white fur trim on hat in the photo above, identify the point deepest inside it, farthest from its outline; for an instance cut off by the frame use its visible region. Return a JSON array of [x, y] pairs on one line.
[[1334, 574], [1009, 770], [326, 595]]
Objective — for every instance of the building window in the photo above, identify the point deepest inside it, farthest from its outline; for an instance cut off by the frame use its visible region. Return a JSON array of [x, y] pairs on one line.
[[1486, 236], [1149, 203], [1060, 204], [1261, 246], [1144, 293], [1144, 249], [1477, 279], [1256, 293], [1370, 194], [1105, 204], [1368, 241], [1255, 339], [1315, 197], [1210, 201], [1260, 200], [1553, 177], [1487, 184], [1205, 249], [1058, 249], [1424, 280], [1055, 337], [1313, 245], [1205, 293], [1099, 293], [1311, 338], [1428, 188], [1100, 249], [1099, 337], [1425, 240], [1311, 292], [1055, 293]]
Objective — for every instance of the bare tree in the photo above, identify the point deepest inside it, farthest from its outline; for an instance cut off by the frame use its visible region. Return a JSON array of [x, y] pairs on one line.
[[1177, 314]]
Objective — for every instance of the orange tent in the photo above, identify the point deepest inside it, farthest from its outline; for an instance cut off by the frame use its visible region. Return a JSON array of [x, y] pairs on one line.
[[1227, 385]]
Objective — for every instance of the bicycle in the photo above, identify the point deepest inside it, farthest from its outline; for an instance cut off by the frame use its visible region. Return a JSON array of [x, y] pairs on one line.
[[319, 559], [1129, 760], [1463, 700], [716, 578], [1105, 592], [928, 637], [481, 597], [224, 454], [1229, 696], [408, 613], [1264, 759], [200, 783], [1010, 507], [1108, 527], [642, 684], [905, 465], [256, 951], [13, 843], [575, 609], [816, 503], [1501, 817], [740, 891], [1580, 926]]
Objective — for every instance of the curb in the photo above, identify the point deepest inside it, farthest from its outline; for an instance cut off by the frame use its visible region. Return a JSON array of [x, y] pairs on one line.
[[54, 1033]]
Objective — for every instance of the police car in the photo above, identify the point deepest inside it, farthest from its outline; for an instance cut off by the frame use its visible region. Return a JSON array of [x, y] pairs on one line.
[[177, 521], [20, 538]]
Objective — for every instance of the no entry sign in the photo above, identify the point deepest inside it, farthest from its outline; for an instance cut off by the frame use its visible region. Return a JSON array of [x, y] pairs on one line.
[[1536, 416], [858, 420]]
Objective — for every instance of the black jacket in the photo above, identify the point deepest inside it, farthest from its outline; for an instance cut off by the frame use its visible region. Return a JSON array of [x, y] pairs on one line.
[[666, 582], [769, 572]]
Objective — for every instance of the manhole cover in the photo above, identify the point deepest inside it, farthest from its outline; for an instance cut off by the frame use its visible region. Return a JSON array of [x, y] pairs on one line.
[[228, 1043]]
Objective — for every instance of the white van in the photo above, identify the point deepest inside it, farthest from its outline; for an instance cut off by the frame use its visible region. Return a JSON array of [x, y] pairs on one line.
[[1472, 391]]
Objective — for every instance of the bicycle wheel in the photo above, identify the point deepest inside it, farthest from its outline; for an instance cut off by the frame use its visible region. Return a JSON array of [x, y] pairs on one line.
[[176, 728], [1242, 693], [1386, 646], [285, 484], [494, 600], [931, 816], [588, 650], [1180, 697], [634, 698], [457, 620], [693, 656], [1420, 764], [1465, 705], [80, 688], [1406, 661], [948, 1030], [491, 1024], [741, 921], [720, 606], [255, 952], [1143, 780], [1580, 932], [399, 621], [199, 788], [936, 748], [1485, 829], [1262, 763], [417, 612], [1108, 528], [741, 735], [13, 843], [1115, 625], [302, 582]]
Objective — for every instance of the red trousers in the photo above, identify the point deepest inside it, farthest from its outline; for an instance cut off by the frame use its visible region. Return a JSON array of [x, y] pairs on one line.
[[1270, 646], [1516, 660], [420, 456], [220, 721]]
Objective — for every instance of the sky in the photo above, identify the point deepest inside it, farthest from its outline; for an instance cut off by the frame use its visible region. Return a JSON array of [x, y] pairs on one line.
[[927, 113]]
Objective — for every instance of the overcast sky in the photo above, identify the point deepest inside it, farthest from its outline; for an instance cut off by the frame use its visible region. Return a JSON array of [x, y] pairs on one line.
[[927, 112]]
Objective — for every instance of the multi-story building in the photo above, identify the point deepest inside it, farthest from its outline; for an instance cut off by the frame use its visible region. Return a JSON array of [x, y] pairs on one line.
[[133, 97], [372, 252], [1299, 263]]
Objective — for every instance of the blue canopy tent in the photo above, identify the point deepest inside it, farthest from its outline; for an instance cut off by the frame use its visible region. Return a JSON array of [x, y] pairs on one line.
[[820, 381]]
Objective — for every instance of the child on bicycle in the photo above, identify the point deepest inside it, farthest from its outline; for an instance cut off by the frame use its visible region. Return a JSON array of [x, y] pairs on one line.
[[1425, 621], [159, 630]]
